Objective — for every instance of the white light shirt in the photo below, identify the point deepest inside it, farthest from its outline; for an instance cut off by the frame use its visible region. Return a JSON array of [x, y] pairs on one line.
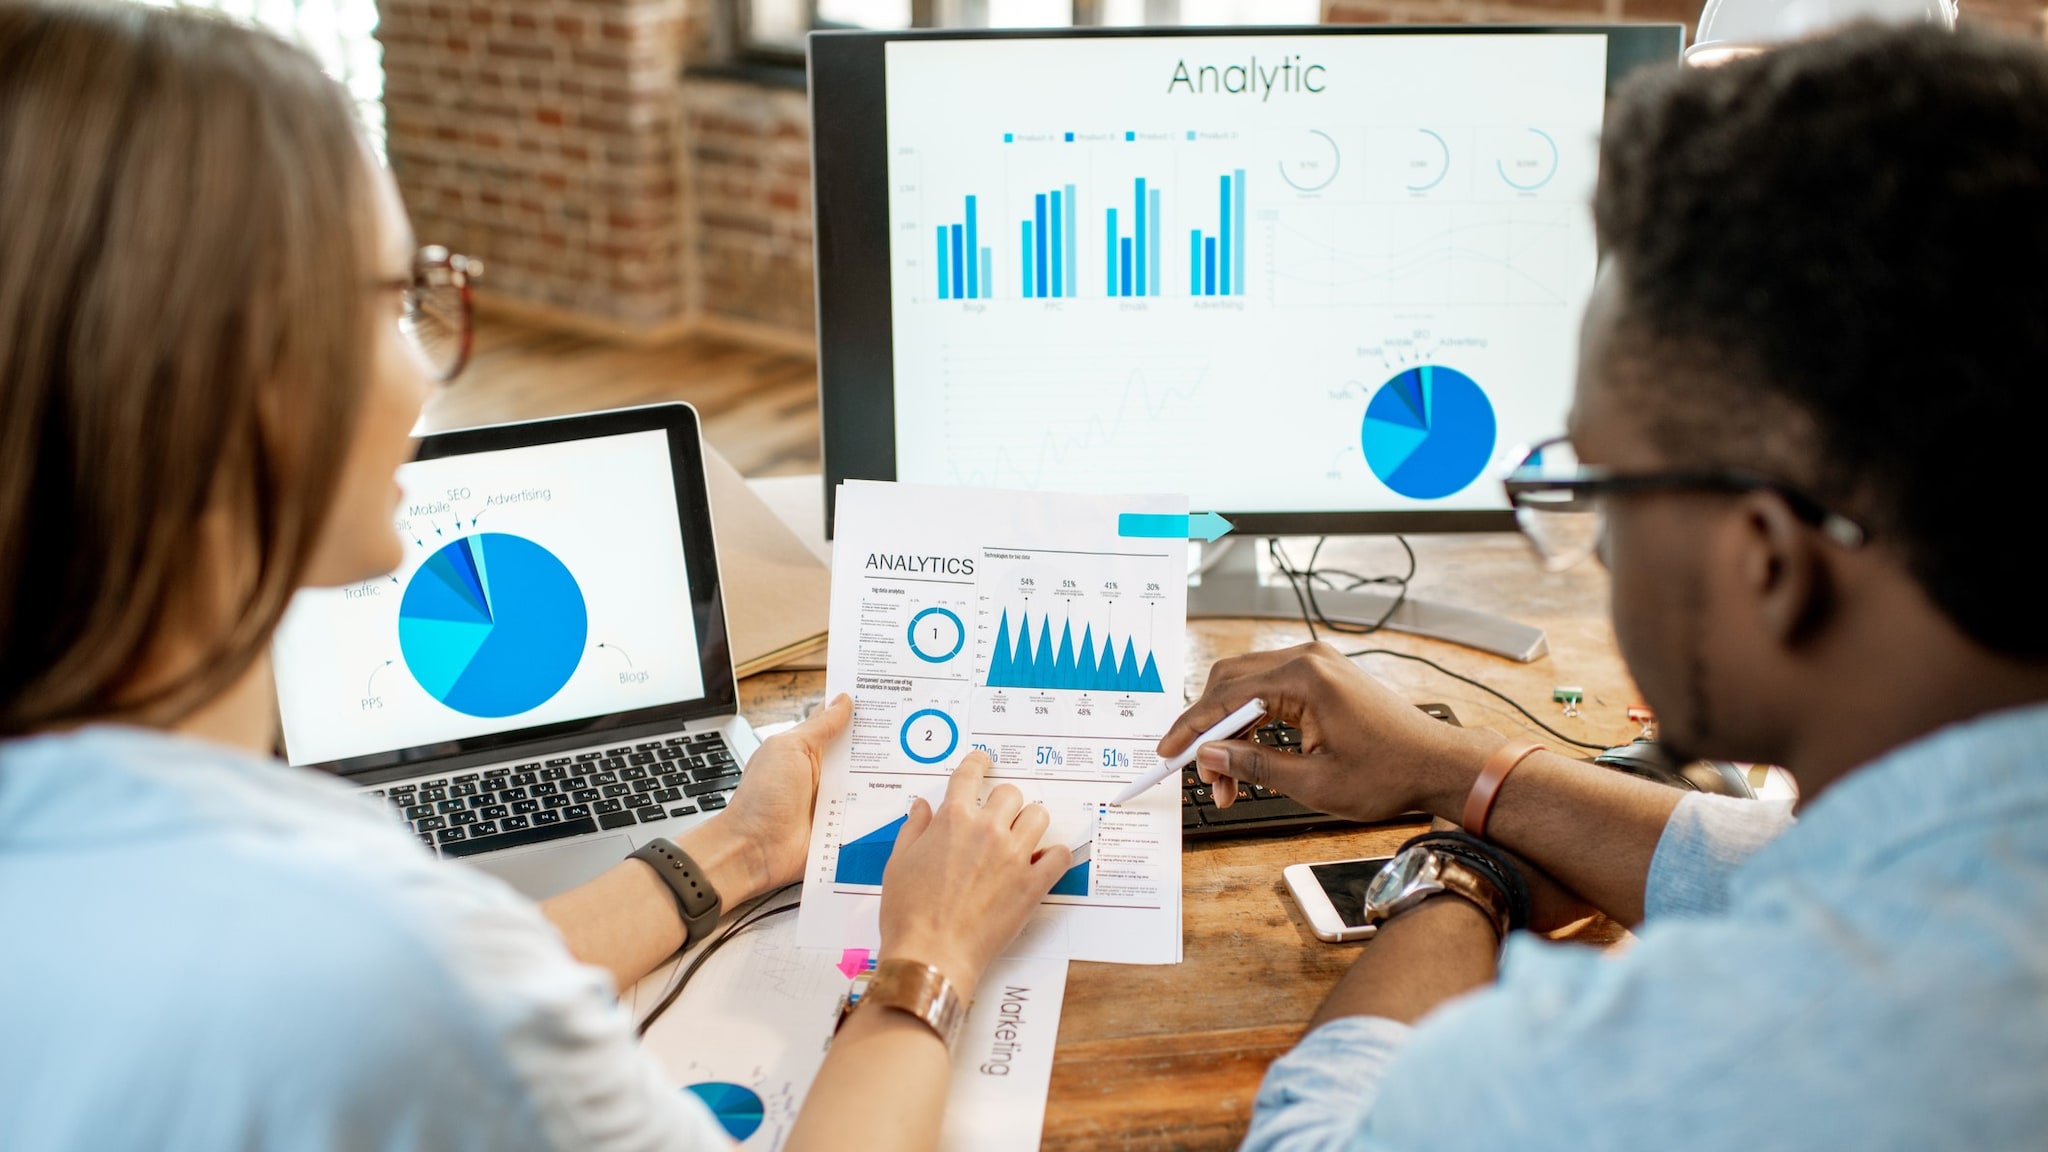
[[202, 949]]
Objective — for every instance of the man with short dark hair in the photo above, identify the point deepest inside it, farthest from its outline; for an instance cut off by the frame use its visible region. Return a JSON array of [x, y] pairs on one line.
[[1809, 409]]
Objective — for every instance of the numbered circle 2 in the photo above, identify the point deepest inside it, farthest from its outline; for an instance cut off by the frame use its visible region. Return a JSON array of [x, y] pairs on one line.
[[930, 736], [936, 635]]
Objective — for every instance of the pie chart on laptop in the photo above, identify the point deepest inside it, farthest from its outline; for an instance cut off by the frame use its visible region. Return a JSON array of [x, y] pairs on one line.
[[1428, 432], [492, 625]]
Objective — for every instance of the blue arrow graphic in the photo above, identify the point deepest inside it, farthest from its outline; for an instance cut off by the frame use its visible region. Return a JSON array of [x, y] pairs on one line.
[[1206, 526]]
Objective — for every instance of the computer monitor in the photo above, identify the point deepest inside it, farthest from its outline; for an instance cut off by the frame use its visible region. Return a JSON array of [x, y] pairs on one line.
[[1323, 280]]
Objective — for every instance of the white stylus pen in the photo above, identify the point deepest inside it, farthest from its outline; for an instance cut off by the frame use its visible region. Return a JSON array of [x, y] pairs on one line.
[[1229, 727]]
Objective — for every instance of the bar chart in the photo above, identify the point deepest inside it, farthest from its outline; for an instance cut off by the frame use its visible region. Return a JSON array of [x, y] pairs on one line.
[[966, 268], [1132, 266], [1048, 245], [1216, 265]]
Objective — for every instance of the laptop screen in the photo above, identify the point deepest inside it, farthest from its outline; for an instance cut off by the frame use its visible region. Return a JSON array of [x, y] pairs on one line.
[[543, 583]]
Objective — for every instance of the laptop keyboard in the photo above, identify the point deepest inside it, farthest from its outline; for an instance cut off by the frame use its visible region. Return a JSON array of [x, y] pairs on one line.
[[488, 809]]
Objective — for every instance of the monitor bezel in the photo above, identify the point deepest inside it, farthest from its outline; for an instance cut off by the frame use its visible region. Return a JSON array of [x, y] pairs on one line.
[[850, 197], [679, 422]]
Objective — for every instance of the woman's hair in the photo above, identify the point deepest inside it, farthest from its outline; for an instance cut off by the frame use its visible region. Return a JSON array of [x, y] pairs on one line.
[[186, 234]]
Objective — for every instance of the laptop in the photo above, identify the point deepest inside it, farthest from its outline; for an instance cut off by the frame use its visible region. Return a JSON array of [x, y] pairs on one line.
[[544, 684]]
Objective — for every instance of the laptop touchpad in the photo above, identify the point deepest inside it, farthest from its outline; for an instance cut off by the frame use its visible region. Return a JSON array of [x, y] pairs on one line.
[[553, 870]]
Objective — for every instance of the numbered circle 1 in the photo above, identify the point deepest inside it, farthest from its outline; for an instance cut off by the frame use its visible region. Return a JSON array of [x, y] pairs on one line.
[[936, 635], [930, 736]]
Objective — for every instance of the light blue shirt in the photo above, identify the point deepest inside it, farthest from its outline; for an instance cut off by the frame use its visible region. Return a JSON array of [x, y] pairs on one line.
[[1874, 977], [205, 950]]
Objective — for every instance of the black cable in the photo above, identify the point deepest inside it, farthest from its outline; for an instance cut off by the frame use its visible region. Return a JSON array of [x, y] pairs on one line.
[[746, 919], [1303, 583], [1486, 688]]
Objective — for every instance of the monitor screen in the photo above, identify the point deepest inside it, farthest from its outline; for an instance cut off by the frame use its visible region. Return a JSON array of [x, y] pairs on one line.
[[541, 584], [1319, 280]]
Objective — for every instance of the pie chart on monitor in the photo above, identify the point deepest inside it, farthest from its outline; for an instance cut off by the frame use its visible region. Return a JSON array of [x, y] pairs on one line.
[[492, 625], [1428, 432]]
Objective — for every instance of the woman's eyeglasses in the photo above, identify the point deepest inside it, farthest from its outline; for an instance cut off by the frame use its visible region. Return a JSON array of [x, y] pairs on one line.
[[438, 316], [1560, 503]]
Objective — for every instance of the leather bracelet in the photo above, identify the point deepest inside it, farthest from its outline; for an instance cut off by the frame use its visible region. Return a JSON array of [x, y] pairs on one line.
[[1489, 862], [1492, 774], [697, 902]]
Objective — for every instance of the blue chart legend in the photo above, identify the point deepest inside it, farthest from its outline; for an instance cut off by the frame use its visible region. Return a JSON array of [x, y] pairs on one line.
[[1133, 260], [1030, 660], [966, 270], [1047, 253], [1216, 261], [1428, 432], [492, 625]]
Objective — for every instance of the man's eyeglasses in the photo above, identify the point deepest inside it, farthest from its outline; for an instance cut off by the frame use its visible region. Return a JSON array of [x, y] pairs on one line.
[[438, 317], [1560, 503]]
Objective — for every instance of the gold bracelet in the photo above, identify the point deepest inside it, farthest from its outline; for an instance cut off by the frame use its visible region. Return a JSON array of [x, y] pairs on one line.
[[918, 989]]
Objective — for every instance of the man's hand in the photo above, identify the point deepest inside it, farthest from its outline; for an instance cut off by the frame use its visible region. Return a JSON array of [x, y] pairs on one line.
[[1365, 753], [766, 829]]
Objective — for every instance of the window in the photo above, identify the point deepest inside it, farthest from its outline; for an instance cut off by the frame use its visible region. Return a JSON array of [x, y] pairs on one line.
[[341, 34], [776, 28]]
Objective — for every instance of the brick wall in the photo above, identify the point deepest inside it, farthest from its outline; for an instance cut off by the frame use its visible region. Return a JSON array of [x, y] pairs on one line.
[[2023, 17], [750, 165], [544, 136], [552, 139]]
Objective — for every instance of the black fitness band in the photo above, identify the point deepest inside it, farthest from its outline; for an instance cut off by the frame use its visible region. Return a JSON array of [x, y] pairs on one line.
[[696, 900]]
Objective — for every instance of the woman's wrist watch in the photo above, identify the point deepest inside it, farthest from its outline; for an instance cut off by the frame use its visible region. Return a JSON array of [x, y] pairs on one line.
[[1424, 870], [917, 989]]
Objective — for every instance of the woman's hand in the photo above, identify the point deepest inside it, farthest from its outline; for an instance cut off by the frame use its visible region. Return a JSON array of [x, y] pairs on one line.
[[1365, 752], [766, 829], [963, 878]]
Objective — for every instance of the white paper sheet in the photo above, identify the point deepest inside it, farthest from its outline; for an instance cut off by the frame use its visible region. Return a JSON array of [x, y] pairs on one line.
[[753, 1028], [1025, 625]]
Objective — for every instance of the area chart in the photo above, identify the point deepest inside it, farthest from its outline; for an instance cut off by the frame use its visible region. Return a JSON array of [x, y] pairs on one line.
[[1035, 661]]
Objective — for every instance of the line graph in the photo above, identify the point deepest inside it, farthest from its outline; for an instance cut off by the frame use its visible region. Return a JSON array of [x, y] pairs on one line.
[[1072, 417], [1424, 254]]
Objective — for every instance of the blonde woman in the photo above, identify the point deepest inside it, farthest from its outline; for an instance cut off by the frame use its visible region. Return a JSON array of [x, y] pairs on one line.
[[205, 391]]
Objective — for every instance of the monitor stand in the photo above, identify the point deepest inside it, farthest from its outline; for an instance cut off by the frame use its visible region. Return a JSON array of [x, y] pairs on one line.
[[1231, 587]]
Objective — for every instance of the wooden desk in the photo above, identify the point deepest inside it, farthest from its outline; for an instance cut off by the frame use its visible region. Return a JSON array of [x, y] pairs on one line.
[[1171, 1056]]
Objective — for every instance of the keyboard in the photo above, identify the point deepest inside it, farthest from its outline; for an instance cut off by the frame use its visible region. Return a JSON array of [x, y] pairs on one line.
[[1261, 811], [488, 809]]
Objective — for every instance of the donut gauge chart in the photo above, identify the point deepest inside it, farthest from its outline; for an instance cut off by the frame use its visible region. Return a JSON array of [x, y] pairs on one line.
[[936, 635], [1428, 432], [1535, 162], [1312, 162], [492, 625], [929, 736]]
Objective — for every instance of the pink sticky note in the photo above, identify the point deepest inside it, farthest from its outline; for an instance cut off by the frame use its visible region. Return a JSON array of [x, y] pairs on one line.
[[852, 961]]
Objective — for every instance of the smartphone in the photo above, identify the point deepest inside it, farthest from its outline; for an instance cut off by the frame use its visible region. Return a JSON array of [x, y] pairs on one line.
[[1332, 895]]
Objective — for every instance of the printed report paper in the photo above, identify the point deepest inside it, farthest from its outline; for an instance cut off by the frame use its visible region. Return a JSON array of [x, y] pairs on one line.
[[750, 1033], [1030, 627]]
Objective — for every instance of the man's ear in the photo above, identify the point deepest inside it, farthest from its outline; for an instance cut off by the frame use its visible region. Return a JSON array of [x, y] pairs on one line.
[[1783, 569]]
